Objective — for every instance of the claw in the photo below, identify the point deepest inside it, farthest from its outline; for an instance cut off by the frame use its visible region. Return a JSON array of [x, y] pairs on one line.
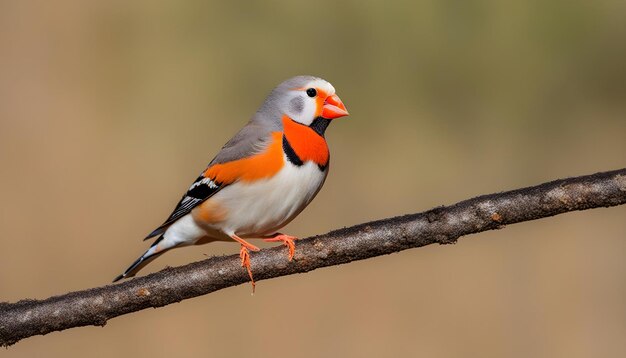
[[244, 254], [287, 240]]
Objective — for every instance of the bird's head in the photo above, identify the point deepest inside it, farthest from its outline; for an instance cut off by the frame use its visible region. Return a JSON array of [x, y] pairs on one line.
[[305, 99]]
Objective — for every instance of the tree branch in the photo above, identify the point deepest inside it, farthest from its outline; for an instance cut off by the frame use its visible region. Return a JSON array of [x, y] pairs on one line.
[[442, 225]]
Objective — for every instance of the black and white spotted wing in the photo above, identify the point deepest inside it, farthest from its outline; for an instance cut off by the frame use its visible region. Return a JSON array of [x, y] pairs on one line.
[[202, 189]]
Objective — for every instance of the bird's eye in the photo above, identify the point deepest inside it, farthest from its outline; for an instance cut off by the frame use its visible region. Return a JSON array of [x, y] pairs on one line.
[[311, 92]]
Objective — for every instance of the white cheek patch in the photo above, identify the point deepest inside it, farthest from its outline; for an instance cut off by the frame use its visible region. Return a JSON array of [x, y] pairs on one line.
[[302, 108], [306, 114]]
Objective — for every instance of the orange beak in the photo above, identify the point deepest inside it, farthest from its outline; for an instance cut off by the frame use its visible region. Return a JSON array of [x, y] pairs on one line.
[[333, 108]]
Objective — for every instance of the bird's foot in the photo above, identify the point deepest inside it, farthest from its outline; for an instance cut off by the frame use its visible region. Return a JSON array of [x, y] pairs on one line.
[[244, 254], [287, 240]]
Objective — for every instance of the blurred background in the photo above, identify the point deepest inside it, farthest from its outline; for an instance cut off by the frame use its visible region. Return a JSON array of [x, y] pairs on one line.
[[109, 109]]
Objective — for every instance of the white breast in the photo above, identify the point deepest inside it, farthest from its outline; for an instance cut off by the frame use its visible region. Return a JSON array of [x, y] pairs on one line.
[[261, 208]]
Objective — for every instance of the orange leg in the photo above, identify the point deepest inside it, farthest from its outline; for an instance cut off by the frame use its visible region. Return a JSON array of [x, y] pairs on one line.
[[244, 254], [287, 240]]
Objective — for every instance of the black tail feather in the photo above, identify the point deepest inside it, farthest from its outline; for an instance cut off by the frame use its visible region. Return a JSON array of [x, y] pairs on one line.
[[130, 269], [142, 261], [156, 232]]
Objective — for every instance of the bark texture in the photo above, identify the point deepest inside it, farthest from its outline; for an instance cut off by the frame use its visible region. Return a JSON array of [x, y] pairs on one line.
[[441, 225]]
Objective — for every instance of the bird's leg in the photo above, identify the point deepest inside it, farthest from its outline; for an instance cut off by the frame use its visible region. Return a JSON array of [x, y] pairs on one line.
[[287, 240], [244, 254]]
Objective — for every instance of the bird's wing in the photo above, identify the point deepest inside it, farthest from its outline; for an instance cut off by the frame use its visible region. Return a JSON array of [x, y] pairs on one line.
[[253, 138], [250, 140], [201, 189]]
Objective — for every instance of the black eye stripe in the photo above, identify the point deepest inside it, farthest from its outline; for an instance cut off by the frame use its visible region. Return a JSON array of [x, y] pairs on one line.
[[311, 92]]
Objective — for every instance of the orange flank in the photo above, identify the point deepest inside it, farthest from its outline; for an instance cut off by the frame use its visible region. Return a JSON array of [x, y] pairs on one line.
[[307, 144], [258, 166], [209, 212]]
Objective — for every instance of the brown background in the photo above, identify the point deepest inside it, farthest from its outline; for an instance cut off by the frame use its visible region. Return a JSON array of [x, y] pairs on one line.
[[109, 110]]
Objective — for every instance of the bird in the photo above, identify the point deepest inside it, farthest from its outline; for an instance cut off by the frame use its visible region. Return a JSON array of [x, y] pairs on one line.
[[260, 180]]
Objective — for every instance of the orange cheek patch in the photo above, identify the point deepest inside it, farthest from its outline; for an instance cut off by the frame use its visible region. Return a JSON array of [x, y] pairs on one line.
[[319, 102], [307, 144], [209, 212], [259, 166]]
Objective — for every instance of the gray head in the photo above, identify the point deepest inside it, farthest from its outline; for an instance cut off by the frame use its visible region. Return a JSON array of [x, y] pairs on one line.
[[302, 98]]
